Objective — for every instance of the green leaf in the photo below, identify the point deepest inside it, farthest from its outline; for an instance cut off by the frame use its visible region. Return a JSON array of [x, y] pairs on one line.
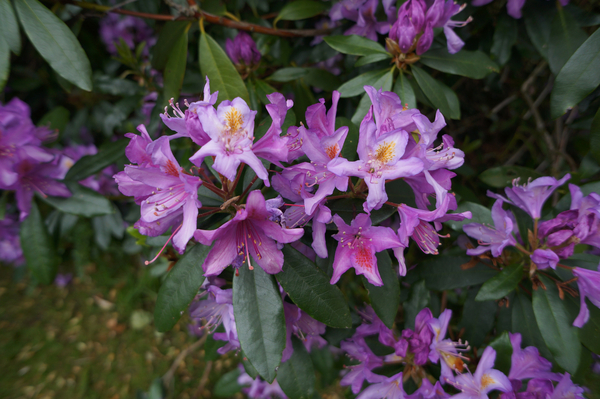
[[405, 91], [472, 64], [385, 299], [310, 289], [223, 76], [523, 322], [595, 137], [38, 247], [9, 27], [259, 318], [565, 38], [504, 351], [288, 74], [4, 62], [227, 386], [502, 284], [55, 42], [384, 83], [578, 78], [589, 333], [351, 143], [92, 164], [296, 376], [505, 36], [432, 90], [477, 318], [322, 79], [418, 299], [355, 86], [452, 99], [502, 176], [84, 202], [180, 287], [167, 39], [445, 273], [369, 59], [175, 67], [57, 118], [480, 214], [262, 89], [555, 325], [300, 9], [538, 19], [355, 45]]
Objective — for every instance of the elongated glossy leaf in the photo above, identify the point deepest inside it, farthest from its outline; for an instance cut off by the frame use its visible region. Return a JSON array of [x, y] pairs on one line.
[[369, 59], [595, 137], [55, 42], [578, 78], [502, 284], [355, 45], [502, 176], [259, 319], [589, 333], [227, 386], [300, 9], [92, 164], [9, 27], [310, 289], [477, 318], [504, 351], [452, 99], [432, 90], [505, 36], [169, 35], [84, 202], [555, 326], [538, 19], [262, 89], [386, 299], [565, 38], [322, 79], [4, 62], [38, 247], [472, 64], [384, 83], [355, 86], [418, 299], [288, 74], [223, 76], [175, 67], [445, 273], [523, 322], [180, 287], [404, 90], [296, 376]]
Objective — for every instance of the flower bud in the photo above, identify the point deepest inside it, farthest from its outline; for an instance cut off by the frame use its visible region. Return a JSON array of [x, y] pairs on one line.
[[242, 50]]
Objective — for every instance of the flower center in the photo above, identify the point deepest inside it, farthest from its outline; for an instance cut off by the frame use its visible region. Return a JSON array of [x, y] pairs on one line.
[[171, 169], [486, 380], [332, 151], [234, 120], [385, 152]]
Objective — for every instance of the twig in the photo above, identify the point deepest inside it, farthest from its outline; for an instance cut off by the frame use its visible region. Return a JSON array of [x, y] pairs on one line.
[[547, 90], [519, 153], [204, 379], [198, 14], [503, 104], [168, 377]]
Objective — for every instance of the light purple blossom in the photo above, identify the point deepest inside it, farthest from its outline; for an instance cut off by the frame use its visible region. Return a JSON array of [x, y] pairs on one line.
[[527, 363], [131, 30], [417, 341], [389, 388], [566, 389], [363, 13], [444, 349], [493, 238], [250, 234], [306, 328], [10, 242], [242, 49], [429, 391], [588, 282], [62, 280], [356, 348], [544, 258], [258, 388]]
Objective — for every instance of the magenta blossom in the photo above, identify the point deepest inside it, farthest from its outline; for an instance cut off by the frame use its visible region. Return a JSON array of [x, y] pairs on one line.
[[527, 363], [444, 349], [489, 238], [363, 13], [589, 287], [389, 388], [357, 246], [544, 258], [356, 348], [250, 234]]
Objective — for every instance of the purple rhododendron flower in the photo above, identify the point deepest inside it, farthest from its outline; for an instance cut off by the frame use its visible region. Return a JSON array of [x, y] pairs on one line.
[[484, 380], [258, 388], [566, 389], [357, 246], [444, 350], [429, 391], [356, 348], [493, 238], [242, 49], [251, 233], [62, 280], [417, 341], [10, 242], [390, 388], [544, 258], [131, 30], [588, 282], [527, 363], [530, 197], [299, 323], [363, 13]]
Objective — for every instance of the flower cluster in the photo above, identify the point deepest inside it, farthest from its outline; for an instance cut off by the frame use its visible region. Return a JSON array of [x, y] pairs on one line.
[[131, 30], [362, 12]]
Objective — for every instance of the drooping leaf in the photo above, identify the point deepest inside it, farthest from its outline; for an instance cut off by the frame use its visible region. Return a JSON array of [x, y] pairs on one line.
[[504, 351], [589, 333], [180, 287], [310, 289], [83, 202], [9, 27], [175, 67], [502, 176], [523, 322], [565, 38], [432, 90], [369, 59], [578, 77], [91, 164], [405, 91], [55, 42], [300, 9], [538, 19], [445, 272], [505, 36], [223, 76], [322, 79], [227, 386], [38, 248], [417, 300], [477, 318], [595, 137], [259, 319], [384, 83], [555, 326], [472, 64], [452, 99], [355, 45], [169, 35], [4, 62], [355, 86], [288, 74], [262, 89], [502, 284], [296, 376], [386, 299]]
